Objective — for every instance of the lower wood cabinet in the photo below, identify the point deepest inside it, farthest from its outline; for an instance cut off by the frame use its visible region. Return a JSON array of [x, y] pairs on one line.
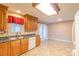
[[5, 49], [15, 48], [18, 46], [37, 40], [24, 45]]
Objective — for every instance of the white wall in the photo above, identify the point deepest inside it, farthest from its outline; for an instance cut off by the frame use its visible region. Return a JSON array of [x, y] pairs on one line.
[[61, 31]]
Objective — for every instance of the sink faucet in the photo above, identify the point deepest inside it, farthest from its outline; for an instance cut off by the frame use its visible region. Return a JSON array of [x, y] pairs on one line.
[[17, 34]]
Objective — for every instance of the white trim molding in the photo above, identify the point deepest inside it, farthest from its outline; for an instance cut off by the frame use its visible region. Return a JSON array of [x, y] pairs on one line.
[[62, 40]]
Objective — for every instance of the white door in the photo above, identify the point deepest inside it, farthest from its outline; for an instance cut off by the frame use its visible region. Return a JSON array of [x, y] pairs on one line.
[[43, 31]]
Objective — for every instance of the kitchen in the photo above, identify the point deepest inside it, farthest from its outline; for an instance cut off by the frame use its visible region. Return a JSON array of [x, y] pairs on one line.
[[30, 29], [17, 32]]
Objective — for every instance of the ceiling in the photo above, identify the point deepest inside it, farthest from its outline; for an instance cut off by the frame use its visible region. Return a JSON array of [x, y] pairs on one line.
[[67, 11]]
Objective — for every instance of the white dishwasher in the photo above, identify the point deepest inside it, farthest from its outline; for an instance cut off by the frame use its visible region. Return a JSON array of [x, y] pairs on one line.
[[32, 42]]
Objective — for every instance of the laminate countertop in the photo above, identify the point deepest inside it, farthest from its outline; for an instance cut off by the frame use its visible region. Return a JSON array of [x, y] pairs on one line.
[[15, 37]]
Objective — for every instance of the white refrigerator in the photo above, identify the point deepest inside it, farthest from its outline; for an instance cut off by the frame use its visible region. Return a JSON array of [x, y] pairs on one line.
[[76, 34]]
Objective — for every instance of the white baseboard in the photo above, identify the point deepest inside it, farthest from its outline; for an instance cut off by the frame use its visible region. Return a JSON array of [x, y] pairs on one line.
[[60, 40], [44, 39]]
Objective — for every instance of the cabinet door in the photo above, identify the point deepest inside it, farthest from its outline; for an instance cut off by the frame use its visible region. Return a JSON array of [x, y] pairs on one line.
[[37, 40], [33, 25], [32, 21], [36, 25], [3, 19], [30, 25], [8, 49], [24, 45], [15, 48], [5, 49], [26, 25]]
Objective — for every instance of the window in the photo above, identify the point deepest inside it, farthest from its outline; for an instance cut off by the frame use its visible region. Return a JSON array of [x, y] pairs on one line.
[[43, 31], [16, 27]]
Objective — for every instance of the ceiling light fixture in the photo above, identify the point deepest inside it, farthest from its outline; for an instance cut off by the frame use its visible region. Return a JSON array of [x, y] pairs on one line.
[[47, 8], [18, 11]]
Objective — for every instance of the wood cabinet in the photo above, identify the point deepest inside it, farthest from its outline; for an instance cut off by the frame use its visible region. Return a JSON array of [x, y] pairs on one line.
[[35, 25], [37, 40], [15, 47], [24, 45], [18, 46], [5, 49], [30, 23], [3, 17]]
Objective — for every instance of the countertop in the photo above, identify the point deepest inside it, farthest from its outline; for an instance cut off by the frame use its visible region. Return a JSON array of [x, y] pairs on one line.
[[15, 37]]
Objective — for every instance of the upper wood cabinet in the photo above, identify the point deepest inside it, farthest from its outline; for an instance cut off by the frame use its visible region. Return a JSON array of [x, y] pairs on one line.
[[5, 49], [30, 23], [3, 17]]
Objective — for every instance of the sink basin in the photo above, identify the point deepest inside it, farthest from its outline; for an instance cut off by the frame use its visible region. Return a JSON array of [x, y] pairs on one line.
[[14, 38], [20, 37]]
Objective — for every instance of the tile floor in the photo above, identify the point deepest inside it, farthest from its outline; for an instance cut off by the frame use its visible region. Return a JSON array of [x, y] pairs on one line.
[[51, 48]]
